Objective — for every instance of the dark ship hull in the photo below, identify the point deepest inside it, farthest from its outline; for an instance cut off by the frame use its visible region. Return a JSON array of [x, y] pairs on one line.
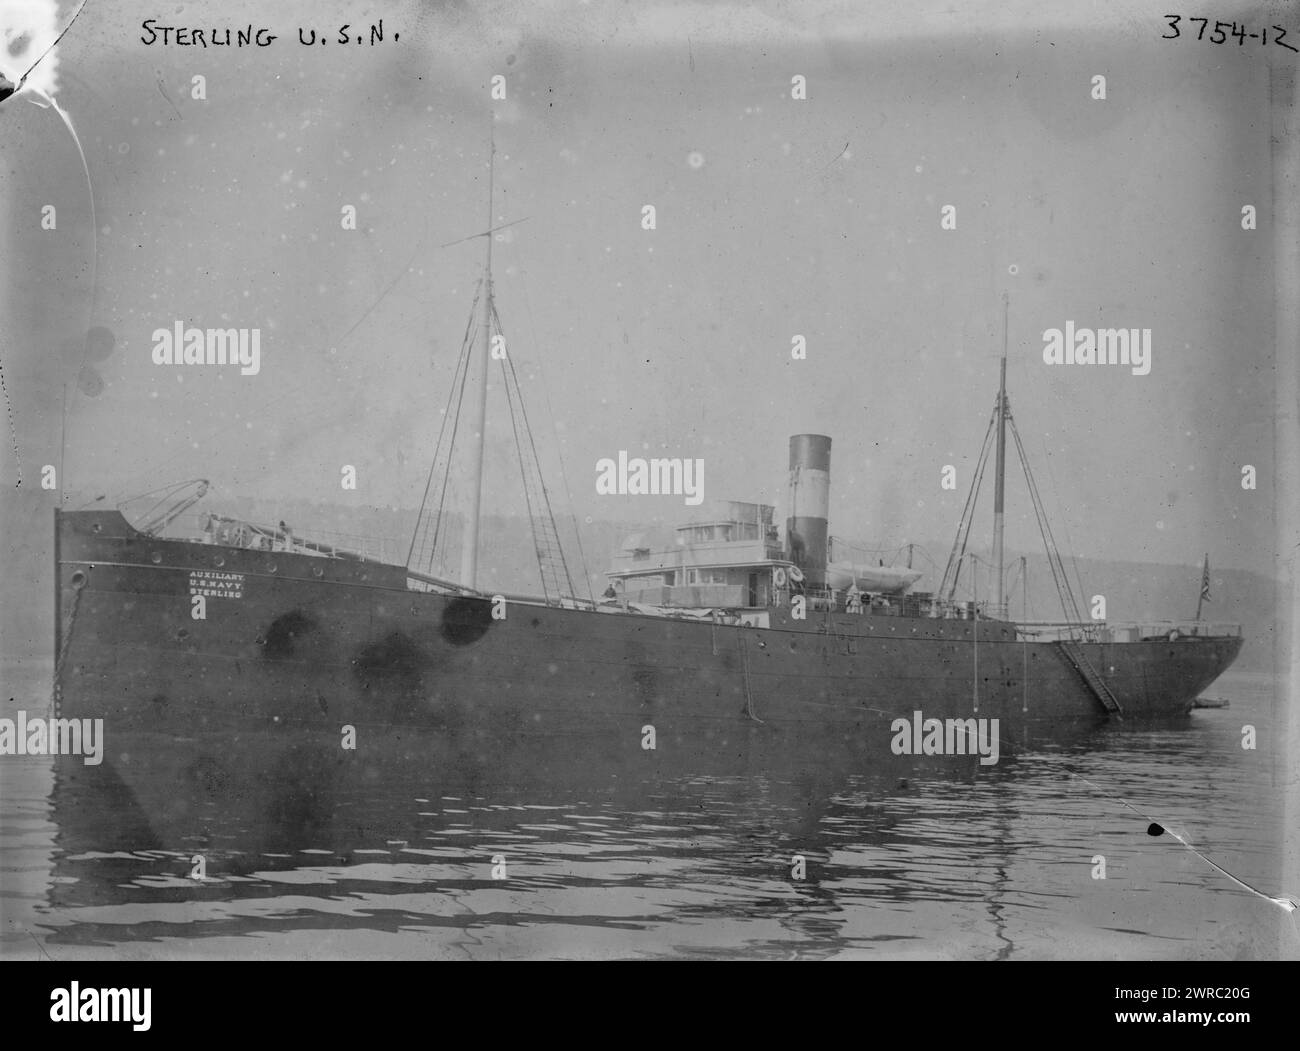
[[249, 710]]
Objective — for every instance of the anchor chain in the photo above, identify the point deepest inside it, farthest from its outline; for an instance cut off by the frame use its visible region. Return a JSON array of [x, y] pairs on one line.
[[744, 671], [56, 697]]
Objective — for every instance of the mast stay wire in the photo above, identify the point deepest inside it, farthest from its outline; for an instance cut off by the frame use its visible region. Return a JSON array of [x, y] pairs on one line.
[[1064, 519], [456, 395], [544, 552], [948, 589], [1059, 575], [550, 411]]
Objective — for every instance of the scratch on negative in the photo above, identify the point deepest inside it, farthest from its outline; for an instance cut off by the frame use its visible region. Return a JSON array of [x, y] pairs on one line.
[[1287, 905], [51, 47], [838, 155], [163, 90], [13, 432], [40, 946]]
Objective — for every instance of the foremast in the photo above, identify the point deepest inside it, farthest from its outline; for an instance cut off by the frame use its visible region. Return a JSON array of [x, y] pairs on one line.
[[476, 355], [478, 422], [1000, 479]]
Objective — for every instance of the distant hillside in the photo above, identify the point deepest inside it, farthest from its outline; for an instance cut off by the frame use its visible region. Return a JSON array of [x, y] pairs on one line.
[[1133, 590]]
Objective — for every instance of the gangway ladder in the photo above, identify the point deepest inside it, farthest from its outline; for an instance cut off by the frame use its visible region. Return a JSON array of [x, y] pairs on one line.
[[550, 558], [744, 674], [1074, 656]]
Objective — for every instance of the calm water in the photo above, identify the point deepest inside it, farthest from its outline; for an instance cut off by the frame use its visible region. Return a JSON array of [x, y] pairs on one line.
[[996, 867]]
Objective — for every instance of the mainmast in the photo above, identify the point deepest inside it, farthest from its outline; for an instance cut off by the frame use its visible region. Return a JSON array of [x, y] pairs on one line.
[[999, 610], [469, 550]]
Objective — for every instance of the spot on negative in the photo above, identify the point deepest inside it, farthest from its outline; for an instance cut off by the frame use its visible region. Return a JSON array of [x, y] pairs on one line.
[[284, 631], [466, 620]]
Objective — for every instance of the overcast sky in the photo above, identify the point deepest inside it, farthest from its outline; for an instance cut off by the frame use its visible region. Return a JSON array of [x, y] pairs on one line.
[[775, 217]]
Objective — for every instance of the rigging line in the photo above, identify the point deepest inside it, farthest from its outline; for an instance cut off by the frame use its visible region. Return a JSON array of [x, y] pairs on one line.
[[469, 324], [300, 387], [537, 460], [944, 590], [920, 550], [1024, 674], [1287, 905], [94, 257], [406, 269], [167, 492], [966, 539], [523, 471], [968, 514], [429, 549], [276, 399], [169, 488], [50, 48], [972, 499], [451, 445], [1042, 528], [546, 393], [1055, 548], [894, 552], [1065, 522], [260, 410], [519, 450], [420, 533], [1059, 576], [485, 233]]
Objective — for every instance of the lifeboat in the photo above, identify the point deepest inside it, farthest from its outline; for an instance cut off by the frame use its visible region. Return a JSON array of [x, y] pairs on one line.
[[878, 580]]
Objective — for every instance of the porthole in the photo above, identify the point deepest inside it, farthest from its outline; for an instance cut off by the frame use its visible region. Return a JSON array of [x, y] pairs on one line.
[[155, 558]]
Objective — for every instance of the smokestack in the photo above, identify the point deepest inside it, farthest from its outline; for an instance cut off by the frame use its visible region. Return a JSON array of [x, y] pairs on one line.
[[810, 488]]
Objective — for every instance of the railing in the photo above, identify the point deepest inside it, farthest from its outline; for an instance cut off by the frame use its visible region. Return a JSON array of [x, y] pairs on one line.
[[702, 554], [835, 600], [347, 545], [1127, 630], [193, 526], [1152, 628]]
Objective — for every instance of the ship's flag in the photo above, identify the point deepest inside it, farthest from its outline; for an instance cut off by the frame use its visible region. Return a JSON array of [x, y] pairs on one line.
[[1205, 580]]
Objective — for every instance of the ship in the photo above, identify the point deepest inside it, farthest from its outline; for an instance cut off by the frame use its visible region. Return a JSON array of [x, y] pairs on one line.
[[247, 669]]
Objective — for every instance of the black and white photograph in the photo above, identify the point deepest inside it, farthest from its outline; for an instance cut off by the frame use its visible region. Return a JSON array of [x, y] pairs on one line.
[[668, 480]]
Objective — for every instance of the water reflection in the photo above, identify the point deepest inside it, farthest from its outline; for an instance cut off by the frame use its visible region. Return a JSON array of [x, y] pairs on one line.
[[937, 858]]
